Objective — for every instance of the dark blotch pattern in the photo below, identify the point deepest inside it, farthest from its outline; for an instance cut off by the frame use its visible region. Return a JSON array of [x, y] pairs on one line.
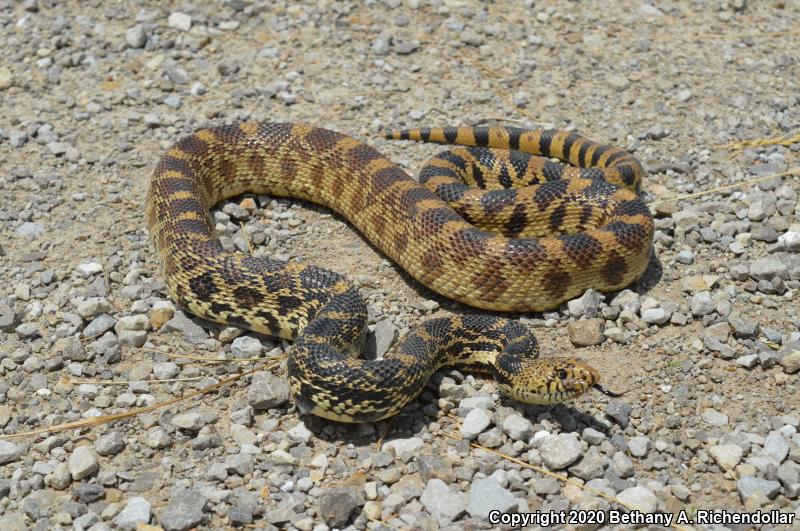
[[363, 155], [630, 235], [614, 157], [615, 268], [168, 163], [627, 173], [519, 161], [248, 297], [549, 191], [322, 139], [592, 173], [569, 142], [545, 140], [582, 151], [524, 250], [203, 285], [557, 217], [289, 303], [478, 177], [195, 226], [193, 145], [454, 159], [434, 219], [278, 281], [599, 189], [586, 214], [178, 184], [385, 178], [633, 207], [410, 198], [553, 170], [496, 200], [514, 135], [582, 248], [431, 261], [557, 282], [481, 136], [504, 178], [317, 278], [219, 308], [517, 221], [599, 152], [429, 172], [189, 204], [451, 192], [469, 243]]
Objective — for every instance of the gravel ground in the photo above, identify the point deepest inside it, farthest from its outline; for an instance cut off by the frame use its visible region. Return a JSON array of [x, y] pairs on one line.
[[91, 93]]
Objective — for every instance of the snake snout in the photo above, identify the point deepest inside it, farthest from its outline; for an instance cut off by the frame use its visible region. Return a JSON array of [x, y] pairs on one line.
[[577, 377]]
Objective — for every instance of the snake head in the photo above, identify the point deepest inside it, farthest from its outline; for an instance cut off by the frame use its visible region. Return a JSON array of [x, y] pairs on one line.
[[547, 381]]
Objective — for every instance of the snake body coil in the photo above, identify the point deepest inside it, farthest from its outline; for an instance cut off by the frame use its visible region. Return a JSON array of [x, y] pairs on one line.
[[533, 234]]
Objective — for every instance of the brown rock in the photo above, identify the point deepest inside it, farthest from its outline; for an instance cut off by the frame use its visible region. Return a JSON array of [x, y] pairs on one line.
[[587, 332]]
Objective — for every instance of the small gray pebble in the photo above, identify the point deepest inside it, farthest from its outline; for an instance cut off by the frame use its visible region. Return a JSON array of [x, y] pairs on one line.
[[619, 412], [749, 486], [685, 257], [442, 502], [337, 504], [186, 510], [560, 451], [486, 495], [135, 512]]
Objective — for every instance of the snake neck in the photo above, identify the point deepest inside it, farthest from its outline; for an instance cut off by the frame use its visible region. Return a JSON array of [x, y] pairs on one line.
[[331, 383]]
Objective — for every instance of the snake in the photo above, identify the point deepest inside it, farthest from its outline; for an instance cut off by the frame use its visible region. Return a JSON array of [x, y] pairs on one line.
[[508, 220]]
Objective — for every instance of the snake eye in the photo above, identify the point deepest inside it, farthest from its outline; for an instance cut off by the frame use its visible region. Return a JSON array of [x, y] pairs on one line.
[[562, 374]]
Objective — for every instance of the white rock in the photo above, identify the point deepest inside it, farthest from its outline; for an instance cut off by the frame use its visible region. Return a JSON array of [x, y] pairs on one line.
[[281, 457], [299, 433], [241, 435], [88, 391], [776, 446], [639, 446], [481, 402], [9, 452], [180, 21], [791, 241], [165, 370], [560, 451], [132, 322], [714, 418], [748, 361], [475, 422], [727, 456], [246, 347], [94, 306], [442, 502], [136, 37], [518, 427], [486, 495], [6, 78], [750, 486], [639, 498], [137, 511], [83, 463], [405, 449], [655, 316], [88, 269]]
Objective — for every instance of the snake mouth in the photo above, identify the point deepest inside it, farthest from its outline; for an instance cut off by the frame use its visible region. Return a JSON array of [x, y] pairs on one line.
[[608, 392]]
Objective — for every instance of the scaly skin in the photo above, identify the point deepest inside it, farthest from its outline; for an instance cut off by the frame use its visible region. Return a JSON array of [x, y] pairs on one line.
[[579, 233]]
